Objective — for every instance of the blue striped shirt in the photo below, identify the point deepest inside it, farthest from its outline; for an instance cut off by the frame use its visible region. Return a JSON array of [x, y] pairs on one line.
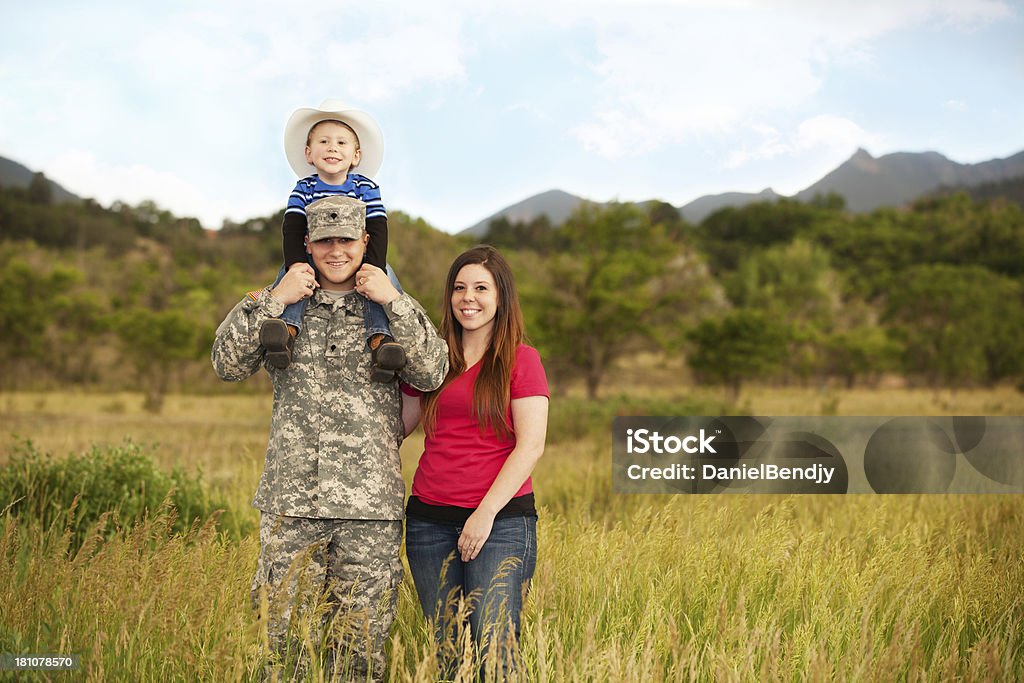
[[311, 188]]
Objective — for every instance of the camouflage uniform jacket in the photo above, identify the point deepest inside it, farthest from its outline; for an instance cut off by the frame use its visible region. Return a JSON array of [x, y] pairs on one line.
[[334, 434]]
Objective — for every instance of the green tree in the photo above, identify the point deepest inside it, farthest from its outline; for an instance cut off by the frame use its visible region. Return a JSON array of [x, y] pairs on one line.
[[39, 190], [872, 249], [831, 201], [793, 280], [668, 217], [156, 342], [740, 346], [966, 232], [26, 312], [78, 318], [535, 235], [958, 324], [729, 234], [603, 294], [866, 351], [421, 256]]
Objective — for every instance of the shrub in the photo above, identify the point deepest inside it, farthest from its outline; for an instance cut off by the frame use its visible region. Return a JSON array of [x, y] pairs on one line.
[[123, 480]]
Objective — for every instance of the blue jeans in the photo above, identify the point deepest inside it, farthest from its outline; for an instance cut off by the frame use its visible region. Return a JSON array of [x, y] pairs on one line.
[[374, 317], [495, 583]]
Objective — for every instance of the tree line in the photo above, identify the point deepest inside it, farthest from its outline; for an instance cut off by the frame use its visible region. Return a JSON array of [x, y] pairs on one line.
[[129, 296], [782, 291]]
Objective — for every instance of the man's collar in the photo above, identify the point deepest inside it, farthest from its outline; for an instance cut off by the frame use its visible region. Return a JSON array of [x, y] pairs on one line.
[[322, 297]]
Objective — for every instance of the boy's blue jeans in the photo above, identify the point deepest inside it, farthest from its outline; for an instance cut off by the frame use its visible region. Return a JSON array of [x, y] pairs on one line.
[[495, 582], [375, 319]]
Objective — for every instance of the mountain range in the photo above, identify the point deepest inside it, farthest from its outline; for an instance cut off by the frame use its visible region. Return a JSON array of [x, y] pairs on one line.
[[865, 182], [13, 174]]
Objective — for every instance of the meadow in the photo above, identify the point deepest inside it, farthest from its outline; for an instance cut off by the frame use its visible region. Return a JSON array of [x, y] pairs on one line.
[[628, 588]]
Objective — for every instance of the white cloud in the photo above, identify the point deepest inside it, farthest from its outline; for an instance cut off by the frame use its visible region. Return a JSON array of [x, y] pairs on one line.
[[668, 77], [172, 100], [970, 14], [363, 55], [830, 131], [958, 106], [823, 134], [381, 67], [675, 81], [84, 174], [534, 109], [851, 23]]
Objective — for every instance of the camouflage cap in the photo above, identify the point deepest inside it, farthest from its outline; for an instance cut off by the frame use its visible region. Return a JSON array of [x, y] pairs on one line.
[[337, 216]]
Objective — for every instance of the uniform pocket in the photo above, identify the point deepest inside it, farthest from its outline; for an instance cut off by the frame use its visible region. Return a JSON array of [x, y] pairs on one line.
[[346, 351]]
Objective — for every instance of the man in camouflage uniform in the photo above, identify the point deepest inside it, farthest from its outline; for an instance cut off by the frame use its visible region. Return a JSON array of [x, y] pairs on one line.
[[331, 494]]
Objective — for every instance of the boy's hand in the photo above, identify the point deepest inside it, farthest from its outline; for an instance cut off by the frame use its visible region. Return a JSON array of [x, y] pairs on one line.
[[373, 283], [297, 284]]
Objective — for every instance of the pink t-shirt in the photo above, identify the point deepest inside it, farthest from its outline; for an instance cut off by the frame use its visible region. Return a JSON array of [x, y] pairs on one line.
[[459, 462]]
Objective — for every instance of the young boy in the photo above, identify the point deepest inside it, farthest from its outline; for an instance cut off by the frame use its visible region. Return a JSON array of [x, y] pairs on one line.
[[324, 146]]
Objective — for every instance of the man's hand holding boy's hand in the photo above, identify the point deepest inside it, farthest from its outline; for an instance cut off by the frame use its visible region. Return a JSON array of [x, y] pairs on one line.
[[374, 284], [297, 284]]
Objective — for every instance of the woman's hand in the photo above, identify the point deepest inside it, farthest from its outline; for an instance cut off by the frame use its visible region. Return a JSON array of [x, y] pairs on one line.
[[474, 534], [530, 416]]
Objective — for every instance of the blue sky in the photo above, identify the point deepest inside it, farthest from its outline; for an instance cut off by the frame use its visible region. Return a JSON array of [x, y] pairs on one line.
[[184, 103]]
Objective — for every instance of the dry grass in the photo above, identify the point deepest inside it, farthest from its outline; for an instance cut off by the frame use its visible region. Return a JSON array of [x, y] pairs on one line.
[[760, 400], [628, 588]]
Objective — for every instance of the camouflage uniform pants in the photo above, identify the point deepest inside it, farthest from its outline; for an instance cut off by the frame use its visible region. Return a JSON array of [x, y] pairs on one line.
[[335, 580]]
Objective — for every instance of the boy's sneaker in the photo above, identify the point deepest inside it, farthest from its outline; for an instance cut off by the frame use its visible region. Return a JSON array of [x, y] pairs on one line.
[[277, 338], [388, 358]]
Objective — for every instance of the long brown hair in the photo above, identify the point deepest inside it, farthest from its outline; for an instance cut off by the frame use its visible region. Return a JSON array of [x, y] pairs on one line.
[[491, 393]]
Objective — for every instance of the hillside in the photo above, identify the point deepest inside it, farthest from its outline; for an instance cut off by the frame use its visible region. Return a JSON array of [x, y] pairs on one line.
[[13, 174], [702, 207], [865, 182], [555, 204], [130, 296], [1012, 190], [897, 179]]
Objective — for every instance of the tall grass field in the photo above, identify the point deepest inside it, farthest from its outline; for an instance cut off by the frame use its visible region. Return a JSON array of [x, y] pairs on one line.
[[628, 587]]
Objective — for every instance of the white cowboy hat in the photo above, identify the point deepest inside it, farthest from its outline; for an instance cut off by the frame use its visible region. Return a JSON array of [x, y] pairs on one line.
[[371, 140]]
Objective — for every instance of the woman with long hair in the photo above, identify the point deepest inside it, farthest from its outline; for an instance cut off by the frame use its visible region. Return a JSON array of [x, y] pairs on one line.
[[471, 528]]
